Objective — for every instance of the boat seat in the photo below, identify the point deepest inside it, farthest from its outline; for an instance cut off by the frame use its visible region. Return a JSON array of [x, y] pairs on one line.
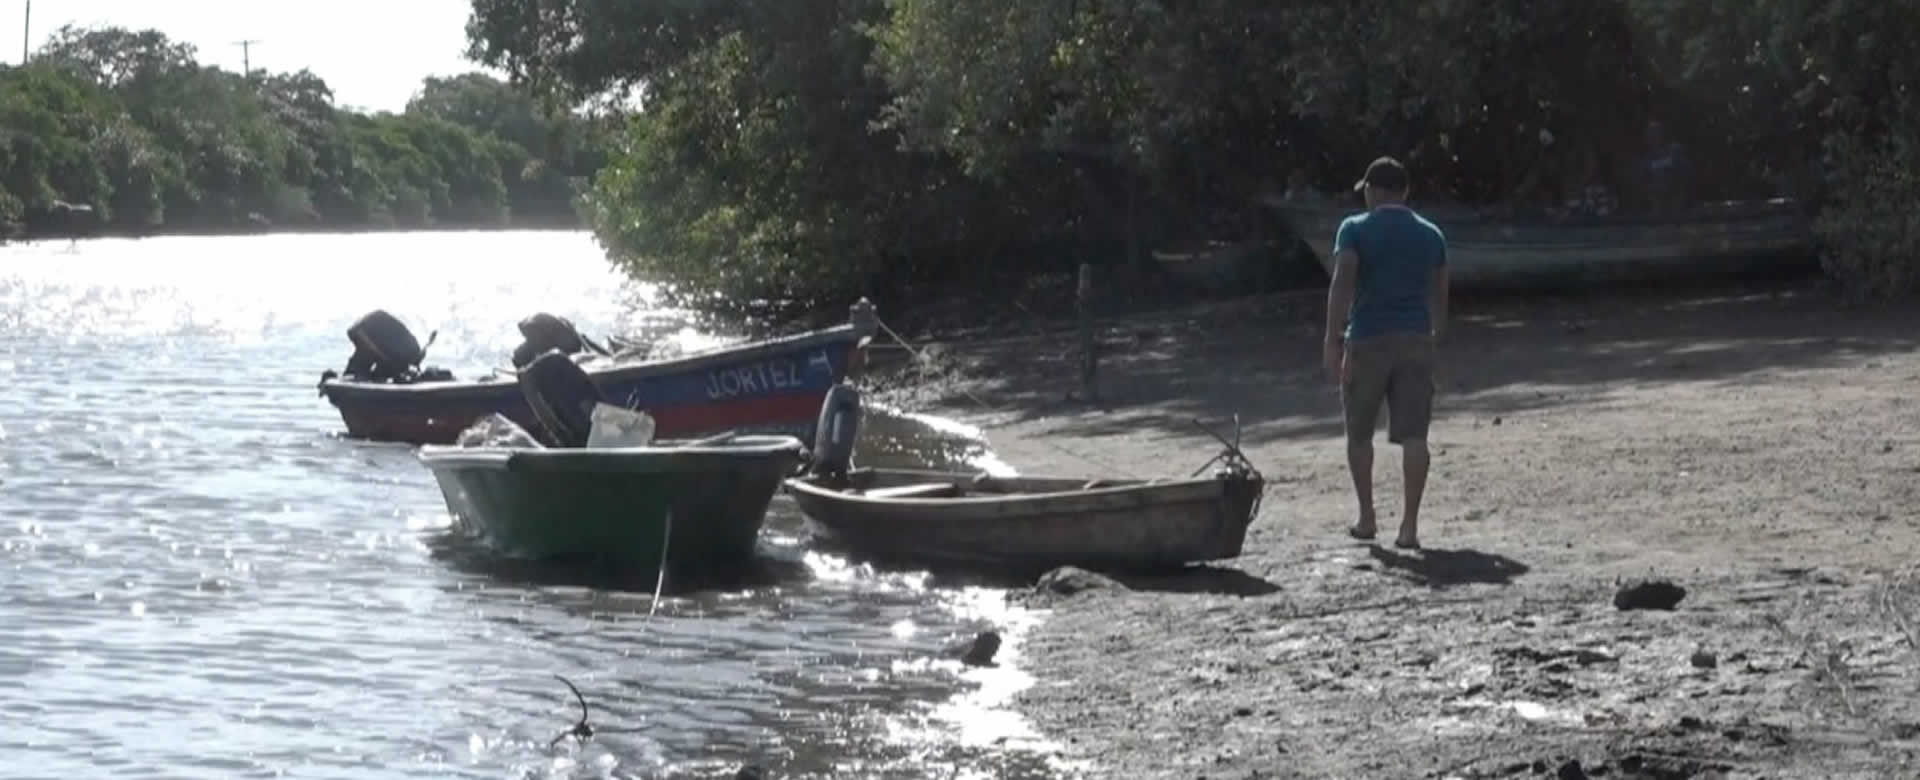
[[923, 490]]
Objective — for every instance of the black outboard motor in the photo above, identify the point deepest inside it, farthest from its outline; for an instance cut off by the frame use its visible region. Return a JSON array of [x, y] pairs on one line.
[[543, 332], [562, 397], [383, 349], [834, 434]]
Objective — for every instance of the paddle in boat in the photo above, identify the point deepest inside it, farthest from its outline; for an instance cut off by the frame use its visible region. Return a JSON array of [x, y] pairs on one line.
[[694, 506], [1020, 524], [773, 386]]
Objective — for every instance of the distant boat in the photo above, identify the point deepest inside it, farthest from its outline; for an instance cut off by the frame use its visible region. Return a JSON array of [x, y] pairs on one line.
[[60, 219], [1713, 240], [1249, 266], [774, 386]]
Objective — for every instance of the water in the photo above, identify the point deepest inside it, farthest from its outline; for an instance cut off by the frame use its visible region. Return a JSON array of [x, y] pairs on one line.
[[199, 577]]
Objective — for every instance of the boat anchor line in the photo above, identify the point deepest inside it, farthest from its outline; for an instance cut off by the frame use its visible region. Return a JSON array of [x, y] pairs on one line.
[[1235, 459], [660, 572], [920, 356], [582, 730]]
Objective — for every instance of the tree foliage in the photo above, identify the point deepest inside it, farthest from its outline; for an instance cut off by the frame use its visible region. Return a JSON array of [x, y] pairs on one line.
[[129, 123], [808, 150], [1833, 86]]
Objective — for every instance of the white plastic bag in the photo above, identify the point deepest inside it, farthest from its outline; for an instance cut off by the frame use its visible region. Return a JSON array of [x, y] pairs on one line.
[[617, 427], [495, 430]]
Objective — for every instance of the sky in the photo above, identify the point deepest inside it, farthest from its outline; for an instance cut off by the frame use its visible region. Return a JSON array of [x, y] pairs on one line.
[[374, 53]]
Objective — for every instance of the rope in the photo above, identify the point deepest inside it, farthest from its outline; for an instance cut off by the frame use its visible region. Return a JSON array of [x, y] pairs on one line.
[[583, 730], [1235, 460], [920, 356], [660, 577]]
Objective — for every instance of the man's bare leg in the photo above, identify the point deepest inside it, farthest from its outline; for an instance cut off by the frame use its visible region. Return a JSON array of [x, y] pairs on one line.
[[1360, 464], [1414, 460]]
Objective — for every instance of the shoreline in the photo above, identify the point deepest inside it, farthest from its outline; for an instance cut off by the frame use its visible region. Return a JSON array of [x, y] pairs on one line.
[[542, 227], [1752, 444]]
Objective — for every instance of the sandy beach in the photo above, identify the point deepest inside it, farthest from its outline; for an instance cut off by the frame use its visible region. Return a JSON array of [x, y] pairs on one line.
[[1756, 447]]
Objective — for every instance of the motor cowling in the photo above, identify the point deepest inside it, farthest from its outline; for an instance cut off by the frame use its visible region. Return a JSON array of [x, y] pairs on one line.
[[835, 432], [544, 332], [383, 348], [562, 397]]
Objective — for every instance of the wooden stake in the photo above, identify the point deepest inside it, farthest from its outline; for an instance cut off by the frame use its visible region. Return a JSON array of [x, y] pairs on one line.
[[1089, 348]]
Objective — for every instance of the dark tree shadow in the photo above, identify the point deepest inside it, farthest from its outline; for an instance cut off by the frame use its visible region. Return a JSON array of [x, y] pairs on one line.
[[1215, 580], [1438, 568], [1259, 357], [474, 559], [1193, 579]]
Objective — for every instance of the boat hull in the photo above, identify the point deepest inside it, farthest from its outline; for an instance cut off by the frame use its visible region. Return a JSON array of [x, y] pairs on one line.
[[1752, 240], [770, 387], [612, 505], [1046, 524]]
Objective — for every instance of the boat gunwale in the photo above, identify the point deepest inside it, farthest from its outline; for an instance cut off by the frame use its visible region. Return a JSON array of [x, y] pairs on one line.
[[1655, 251], [1703, 216], [648, 459], [1193, 489], [1656, 243], [847, 332]]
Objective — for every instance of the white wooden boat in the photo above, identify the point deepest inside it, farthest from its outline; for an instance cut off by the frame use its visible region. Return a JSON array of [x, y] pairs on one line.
[[1031, 523]]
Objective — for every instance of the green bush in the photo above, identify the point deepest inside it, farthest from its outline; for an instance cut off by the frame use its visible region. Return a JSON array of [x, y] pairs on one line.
[[128, 122], [1871, 229], [807, 151], [11, 214]]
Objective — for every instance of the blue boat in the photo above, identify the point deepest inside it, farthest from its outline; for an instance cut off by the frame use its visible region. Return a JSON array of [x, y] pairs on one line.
[[770, 387]]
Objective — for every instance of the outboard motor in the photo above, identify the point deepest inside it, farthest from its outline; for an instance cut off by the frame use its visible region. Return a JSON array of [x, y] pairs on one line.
[[383, 349], [543, 332], [562, 397], [833, 436], [524, 354]]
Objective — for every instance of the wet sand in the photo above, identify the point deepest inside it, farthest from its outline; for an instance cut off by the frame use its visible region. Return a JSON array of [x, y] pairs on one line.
[[1757, 447]]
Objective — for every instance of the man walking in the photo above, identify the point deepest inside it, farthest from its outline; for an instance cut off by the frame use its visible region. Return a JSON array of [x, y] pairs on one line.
[[1386, 309]]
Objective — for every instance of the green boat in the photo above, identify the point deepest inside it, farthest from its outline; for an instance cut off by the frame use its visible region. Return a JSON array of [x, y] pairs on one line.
[[615, 505]]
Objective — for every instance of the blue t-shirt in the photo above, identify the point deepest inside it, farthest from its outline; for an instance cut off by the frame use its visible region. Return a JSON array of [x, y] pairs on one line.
[[1399, 252]]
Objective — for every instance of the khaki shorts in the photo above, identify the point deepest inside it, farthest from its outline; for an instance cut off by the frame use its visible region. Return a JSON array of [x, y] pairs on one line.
[[1396, 368]]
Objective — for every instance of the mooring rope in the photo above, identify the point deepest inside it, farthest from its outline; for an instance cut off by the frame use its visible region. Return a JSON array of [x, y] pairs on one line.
[[920, 356], [1236, 459], [660, 576], [583, 730]]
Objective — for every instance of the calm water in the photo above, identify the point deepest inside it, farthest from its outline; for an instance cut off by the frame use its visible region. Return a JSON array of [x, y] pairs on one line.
[[200, 578]]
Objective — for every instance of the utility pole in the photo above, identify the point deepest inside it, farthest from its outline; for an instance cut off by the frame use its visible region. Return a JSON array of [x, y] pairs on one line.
[[26, 33], [246, 56]]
